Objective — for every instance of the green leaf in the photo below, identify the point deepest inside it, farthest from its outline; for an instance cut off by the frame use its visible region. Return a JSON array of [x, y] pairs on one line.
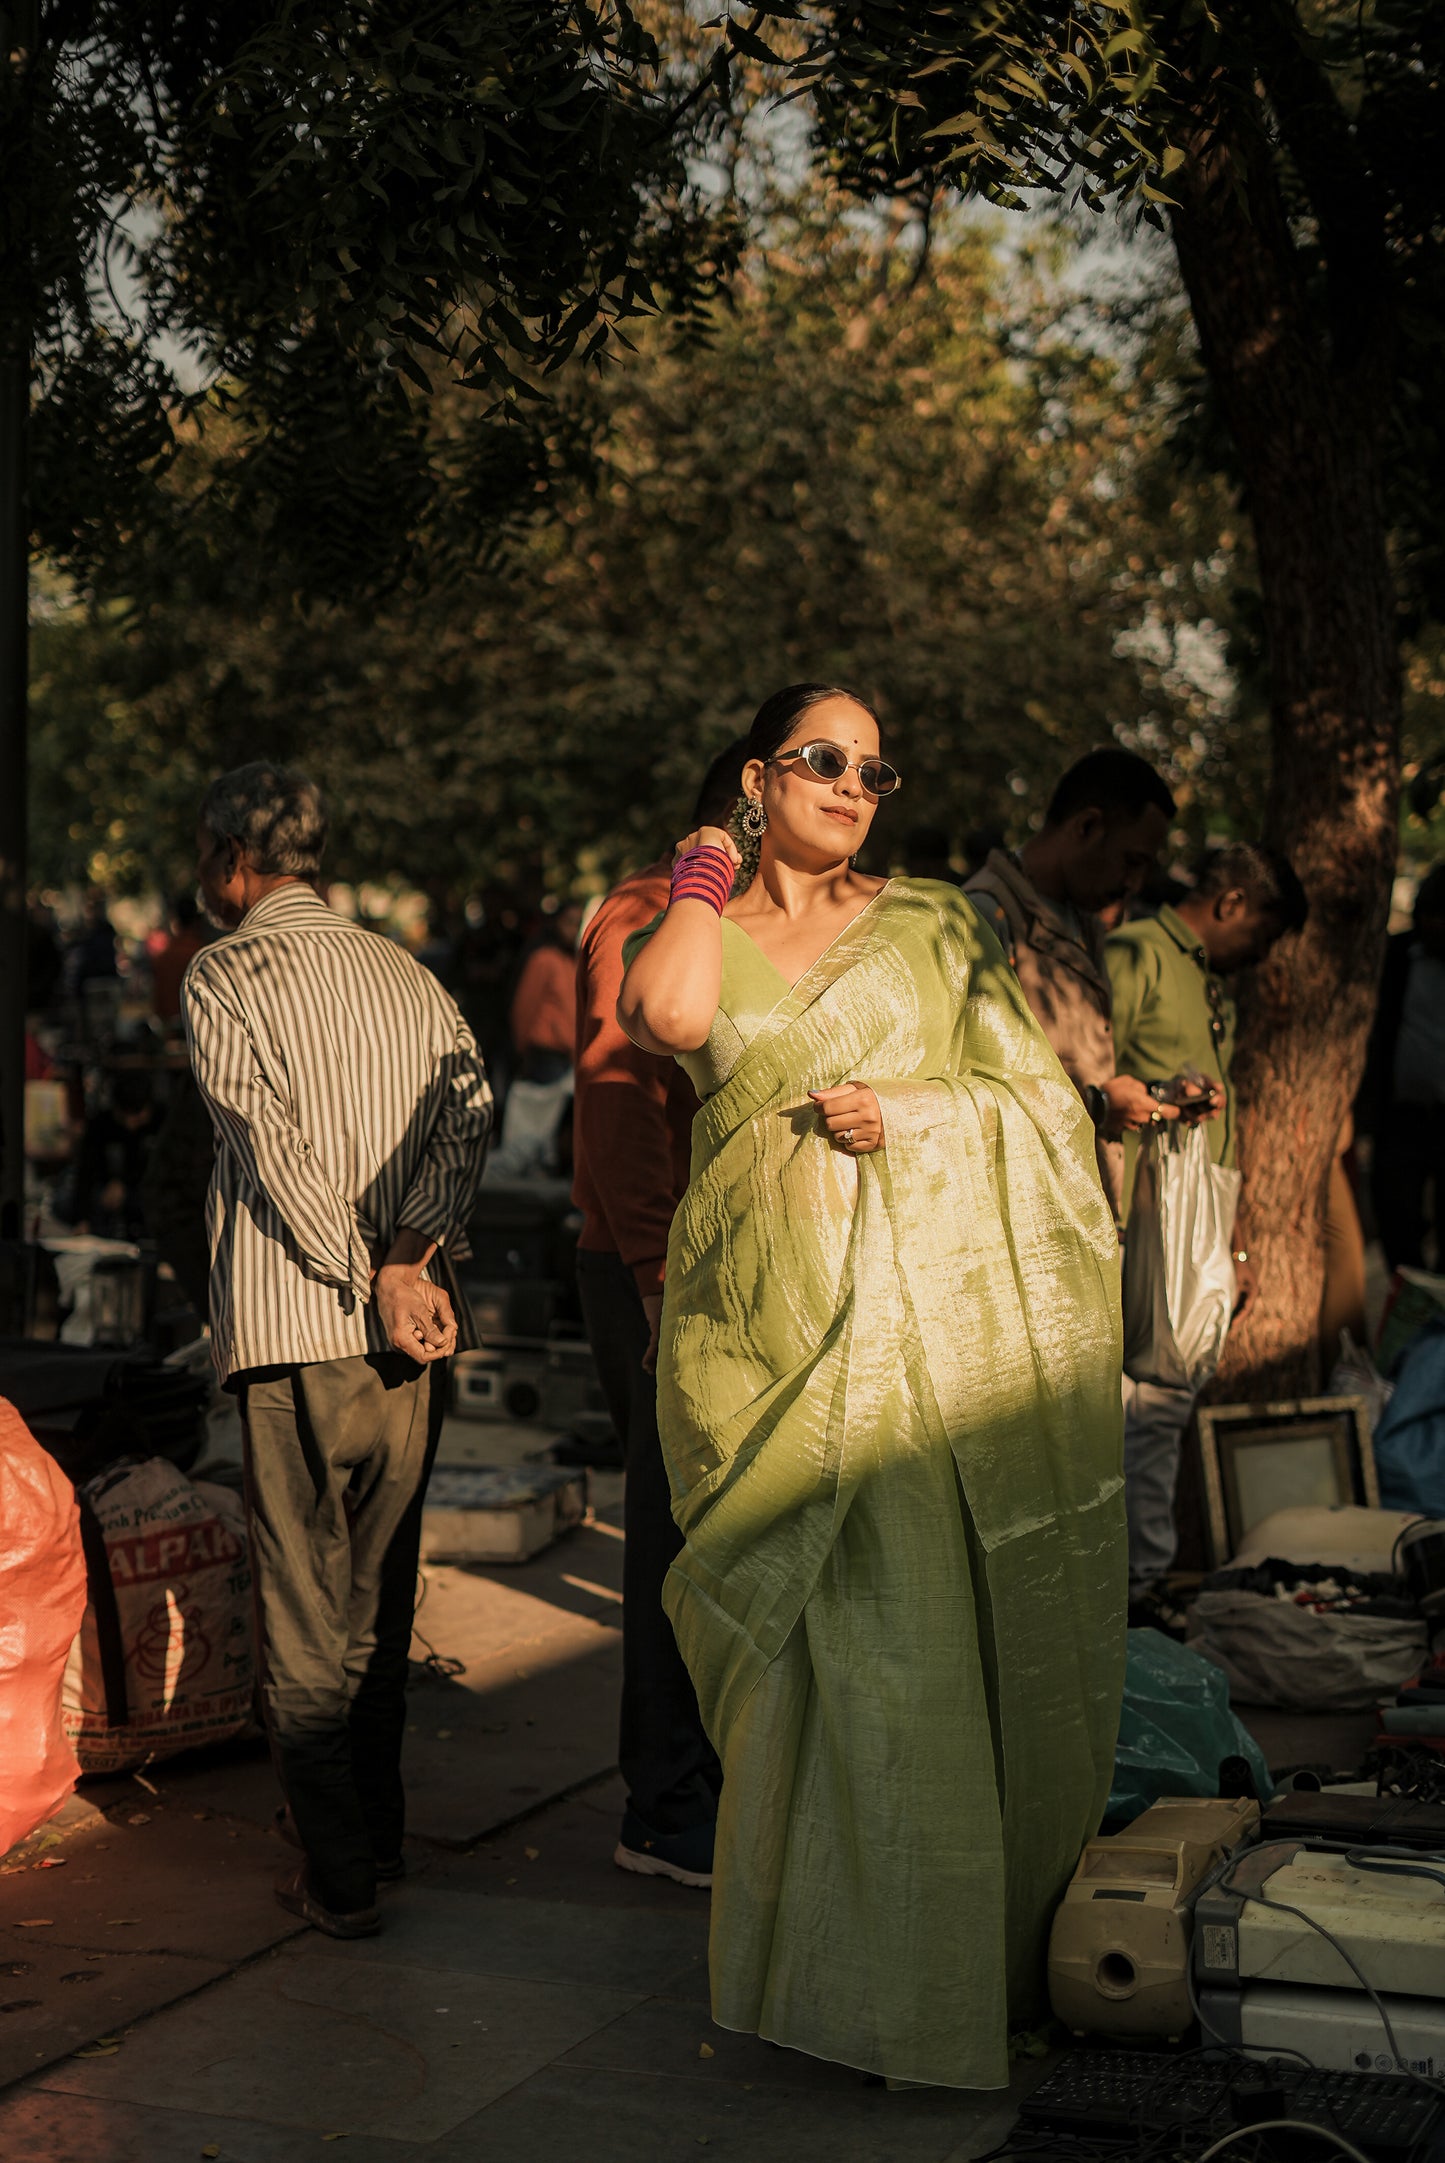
[[745, 39]]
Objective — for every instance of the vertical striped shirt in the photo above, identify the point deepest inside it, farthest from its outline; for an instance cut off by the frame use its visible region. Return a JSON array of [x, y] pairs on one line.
[[349, 1102]]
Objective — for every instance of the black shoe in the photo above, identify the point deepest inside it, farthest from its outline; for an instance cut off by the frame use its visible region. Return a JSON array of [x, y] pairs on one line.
[[685, 1857], [1151, 1608], [295, 1895]]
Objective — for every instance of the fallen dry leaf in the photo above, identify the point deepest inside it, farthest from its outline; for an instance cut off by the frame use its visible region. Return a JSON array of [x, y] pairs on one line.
[[213, 2150], [444, 1734], [139, 1817], [37, 1922], [705, 2050], [52, 1862], [97, 2050], [531, 1854], [121, 1922]]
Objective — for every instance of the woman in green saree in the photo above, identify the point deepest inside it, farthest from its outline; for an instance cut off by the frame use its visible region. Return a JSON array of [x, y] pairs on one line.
[[888, 1392]]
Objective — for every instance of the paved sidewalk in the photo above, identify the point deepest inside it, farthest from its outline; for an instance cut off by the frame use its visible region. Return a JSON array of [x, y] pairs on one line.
[[525, 2000]]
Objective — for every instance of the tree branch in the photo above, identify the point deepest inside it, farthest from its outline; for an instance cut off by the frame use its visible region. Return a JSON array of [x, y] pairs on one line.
[[1341, 188]]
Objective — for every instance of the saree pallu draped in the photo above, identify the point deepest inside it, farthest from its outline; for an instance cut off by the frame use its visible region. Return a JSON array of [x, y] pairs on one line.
[[889, 1401]]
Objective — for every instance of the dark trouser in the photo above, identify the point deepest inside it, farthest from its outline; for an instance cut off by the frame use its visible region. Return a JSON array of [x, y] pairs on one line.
[[1409, 1157], [671, 1770], [337, 1458]]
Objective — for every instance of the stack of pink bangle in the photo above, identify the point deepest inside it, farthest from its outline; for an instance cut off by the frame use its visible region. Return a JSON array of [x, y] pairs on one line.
[[703, 874]]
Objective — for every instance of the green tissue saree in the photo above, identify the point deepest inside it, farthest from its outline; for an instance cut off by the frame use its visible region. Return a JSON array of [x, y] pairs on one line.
[[888, 1392]]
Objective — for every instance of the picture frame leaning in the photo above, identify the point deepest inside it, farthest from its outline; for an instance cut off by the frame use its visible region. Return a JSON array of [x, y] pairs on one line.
[[1259, 1458]]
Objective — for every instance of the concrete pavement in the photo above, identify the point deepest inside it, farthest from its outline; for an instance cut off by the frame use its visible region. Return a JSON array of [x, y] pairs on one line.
[[526, 1999]]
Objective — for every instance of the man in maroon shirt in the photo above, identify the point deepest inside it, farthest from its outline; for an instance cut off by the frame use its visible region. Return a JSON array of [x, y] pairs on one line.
[[632, 1142]]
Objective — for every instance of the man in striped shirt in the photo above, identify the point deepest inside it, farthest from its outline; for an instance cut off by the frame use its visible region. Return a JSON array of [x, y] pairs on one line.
[[351, 1114]]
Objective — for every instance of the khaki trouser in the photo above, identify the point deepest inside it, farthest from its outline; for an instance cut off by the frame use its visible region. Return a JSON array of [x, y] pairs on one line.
[[337, 1458]]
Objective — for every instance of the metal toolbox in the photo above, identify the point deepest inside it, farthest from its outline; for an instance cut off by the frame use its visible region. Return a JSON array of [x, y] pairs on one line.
[[483, 1513]]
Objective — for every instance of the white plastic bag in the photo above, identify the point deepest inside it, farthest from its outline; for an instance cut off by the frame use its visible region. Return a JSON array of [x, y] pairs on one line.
[[1179, 1287]]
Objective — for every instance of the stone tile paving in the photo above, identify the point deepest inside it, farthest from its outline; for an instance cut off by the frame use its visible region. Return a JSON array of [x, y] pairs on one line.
[[525, 2002]]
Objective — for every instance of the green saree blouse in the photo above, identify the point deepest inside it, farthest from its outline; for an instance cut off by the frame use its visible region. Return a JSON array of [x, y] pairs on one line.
[[888, 1393]]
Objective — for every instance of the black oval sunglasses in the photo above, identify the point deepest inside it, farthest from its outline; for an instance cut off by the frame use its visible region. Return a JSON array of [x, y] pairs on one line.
[[830, 762]]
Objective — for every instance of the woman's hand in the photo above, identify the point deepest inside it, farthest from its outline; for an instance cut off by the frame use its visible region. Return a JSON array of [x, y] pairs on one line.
[[852, 1117], [709, 837]]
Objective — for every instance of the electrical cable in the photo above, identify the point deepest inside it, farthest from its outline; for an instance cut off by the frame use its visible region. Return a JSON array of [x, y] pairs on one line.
[[1393, 1863], [1422, 2080], [441, 1664], [1279, 2050], [1051, 2145], [1232, 2056], [1286, 2125], [1408, 1862]]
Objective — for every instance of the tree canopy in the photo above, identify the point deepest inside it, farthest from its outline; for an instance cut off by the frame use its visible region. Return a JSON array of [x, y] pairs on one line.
[[300, 219], [1288, 149], [1107, 105], [941, 481]]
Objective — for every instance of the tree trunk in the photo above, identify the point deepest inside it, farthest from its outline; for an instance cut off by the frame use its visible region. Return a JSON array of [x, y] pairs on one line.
[[1306, 426]]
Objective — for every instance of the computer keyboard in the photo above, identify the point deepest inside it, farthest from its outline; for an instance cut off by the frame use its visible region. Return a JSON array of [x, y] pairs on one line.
[[1140, 2092]]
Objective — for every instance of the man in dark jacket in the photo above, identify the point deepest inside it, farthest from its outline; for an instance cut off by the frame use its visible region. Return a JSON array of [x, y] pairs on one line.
[[1402, 1098]]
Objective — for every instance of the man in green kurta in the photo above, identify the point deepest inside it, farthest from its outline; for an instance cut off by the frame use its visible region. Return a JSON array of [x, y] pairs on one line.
[[1173, 1015]]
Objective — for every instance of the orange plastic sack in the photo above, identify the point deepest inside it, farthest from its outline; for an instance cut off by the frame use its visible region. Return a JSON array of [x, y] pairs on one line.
[[42, 1600]]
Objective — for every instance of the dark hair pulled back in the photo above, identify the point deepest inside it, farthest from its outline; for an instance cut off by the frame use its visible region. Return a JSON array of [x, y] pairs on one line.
[[773, 723], [778, 716]]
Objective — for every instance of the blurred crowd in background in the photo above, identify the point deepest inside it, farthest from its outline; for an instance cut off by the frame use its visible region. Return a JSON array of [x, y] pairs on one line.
[[119, 1148]]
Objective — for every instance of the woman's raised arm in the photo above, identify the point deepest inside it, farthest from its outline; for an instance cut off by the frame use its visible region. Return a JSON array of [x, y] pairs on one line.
[[670, 993]]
